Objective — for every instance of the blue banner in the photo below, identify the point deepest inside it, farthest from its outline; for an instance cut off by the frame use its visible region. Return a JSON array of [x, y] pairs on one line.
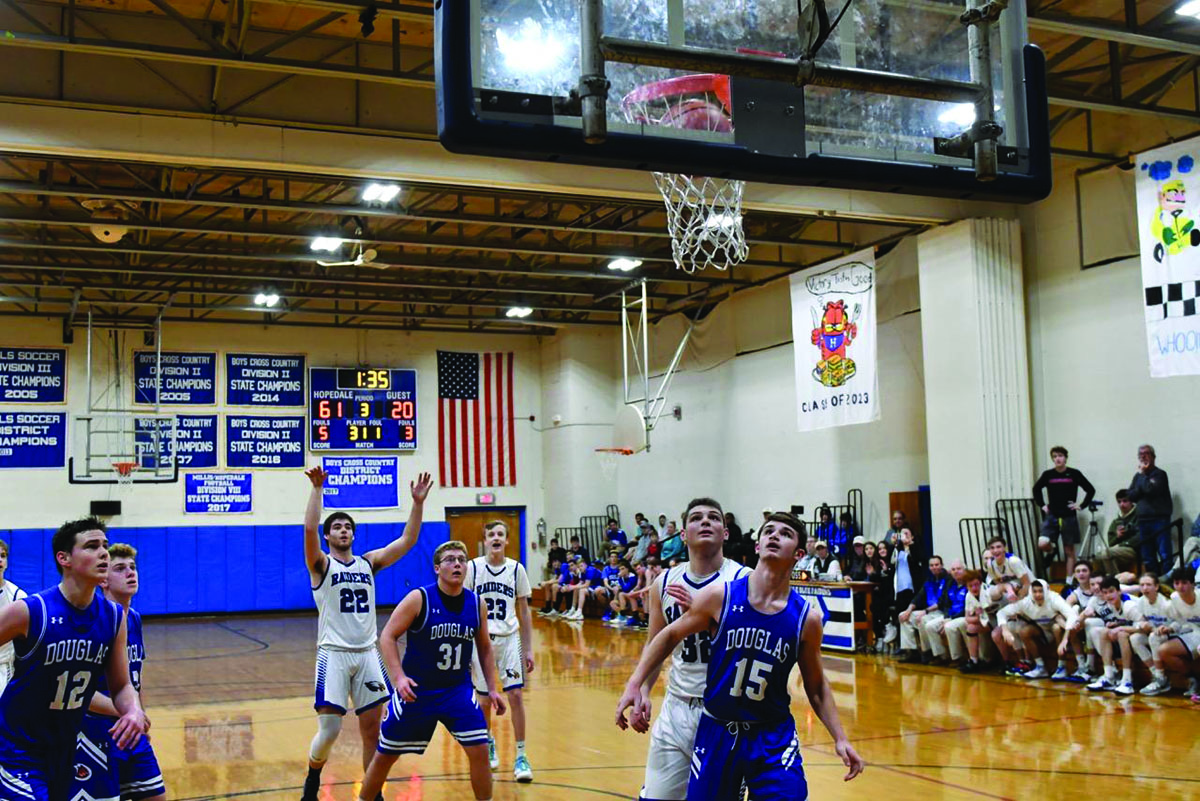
[[33, 439], [187, 378], [260, 441], [218, 493], [264, 379], [195, 441], [361, 482], [33, 375]]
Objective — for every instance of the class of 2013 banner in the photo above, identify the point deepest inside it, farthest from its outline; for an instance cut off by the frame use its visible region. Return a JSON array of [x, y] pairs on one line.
[[1168, 208], [834, 343]]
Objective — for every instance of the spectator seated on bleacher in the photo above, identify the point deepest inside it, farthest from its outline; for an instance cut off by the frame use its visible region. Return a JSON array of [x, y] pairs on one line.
[[674, 551], [926, 602], [615, 538], [555, 553], [554, 588], [826, 566], [1119, 551], [845, 533], [944, 632], [587, 579], [826, 528], [858, 566], [606, 593], [578, 551]]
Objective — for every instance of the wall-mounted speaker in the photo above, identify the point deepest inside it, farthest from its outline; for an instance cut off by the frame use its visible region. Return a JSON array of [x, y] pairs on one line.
[[106, 508]]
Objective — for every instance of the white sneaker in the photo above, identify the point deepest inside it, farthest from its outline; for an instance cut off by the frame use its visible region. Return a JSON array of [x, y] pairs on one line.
[[574, 614], [1102, 683], [1156, 687], [889, 633], [1124, 688], [1060, 674], [1038, 672], [521, 770], [1082, 675]]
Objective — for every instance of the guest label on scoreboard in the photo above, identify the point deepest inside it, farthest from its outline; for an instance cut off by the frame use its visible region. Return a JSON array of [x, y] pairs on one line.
[[187, 378], [218, 493], [33, 439], [362, 409], [33, 375], [195, 441], [361, 482], [264, 379], [260, 441]]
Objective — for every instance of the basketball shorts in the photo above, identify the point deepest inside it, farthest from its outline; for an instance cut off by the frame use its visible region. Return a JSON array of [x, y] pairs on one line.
[[669, 760], [764, 756], [408, 726], [1067, 526], [30, 776], [1191, 639], [6, 674], [104, 771], [357, 675], [510, 668]]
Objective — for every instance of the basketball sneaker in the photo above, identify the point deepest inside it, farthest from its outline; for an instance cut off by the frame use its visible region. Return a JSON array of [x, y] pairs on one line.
[[493, 760], [1038, 672], [1081, 676], [607, 618], [1124, 688], [1060, 674], [1156, 687], [521, 770], [1102, 683]]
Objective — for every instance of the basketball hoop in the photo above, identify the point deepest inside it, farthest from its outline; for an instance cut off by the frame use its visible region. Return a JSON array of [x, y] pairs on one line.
[[704, 215], [124, 471], [609, 458]]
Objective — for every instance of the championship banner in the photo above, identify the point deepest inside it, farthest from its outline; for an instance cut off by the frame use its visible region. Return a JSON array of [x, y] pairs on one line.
[[836, 603], [1169, 241], [833, 333]]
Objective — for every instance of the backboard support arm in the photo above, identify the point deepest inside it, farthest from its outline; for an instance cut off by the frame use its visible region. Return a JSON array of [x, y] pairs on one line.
[[635, 354]]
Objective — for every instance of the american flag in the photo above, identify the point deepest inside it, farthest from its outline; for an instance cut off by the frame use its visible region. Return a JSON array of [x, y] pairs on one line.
[[475, 419]]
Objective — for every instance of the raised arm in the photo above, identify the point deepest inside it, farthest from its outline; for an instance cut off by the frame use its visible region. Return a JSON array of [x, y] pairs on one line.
[[387, 555], [401, 619], [131, 724], [702, 616], [820, 694], [314, 558]]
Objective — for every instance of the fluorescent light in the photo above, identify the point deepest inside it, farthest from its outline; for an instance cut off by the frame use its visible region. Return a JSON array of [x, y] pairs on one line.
[[519, 311], [625, 265], [326, 243], [266, 299], [380, 193], [529, 49], [962, 114], [725, 220], [1191, 9]]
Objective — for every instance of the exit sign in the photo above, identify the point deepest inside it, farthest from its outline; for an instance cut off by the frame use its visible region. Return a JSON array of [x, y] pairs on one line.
[[485, 498]]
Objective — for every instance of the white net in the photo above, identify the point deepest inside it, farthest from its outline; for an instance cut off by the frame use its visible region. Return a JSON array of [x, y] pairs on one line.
[[704, 214], [609, 459]]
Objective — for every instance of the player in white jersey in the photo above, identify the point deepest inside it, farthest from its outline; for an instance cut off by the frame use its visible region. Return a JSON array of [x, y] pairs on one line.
[[1153, 612], [503, 585], [669, 759], [343, 586], [1039, 620], [1116, 611], [9, 592], [1086, 588], [1181, 652], [1008, 578]]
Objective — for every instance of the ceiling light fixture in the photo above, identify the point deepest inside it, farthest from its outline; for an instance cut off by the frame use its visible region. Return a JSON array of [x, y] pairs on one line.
[[1191, 9], [380, 193], [328, 244], [960, 114], [624, 265], [268, 299], [519, 312]]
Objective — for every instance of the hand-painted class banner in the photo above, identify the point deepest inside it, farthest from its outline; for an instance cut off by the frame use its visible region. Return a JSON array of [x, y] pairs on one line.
[[33, 375], [261, 441], [187, 378], [361, 482], [218, 493], [264, 379], [1169, 240], [33, 439], [836, 603], [833, 331], [195, 441]]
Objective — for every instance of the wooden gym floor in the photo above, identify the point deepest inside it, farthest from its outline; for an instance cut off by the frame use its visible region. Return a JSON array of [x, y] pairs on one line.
[[231, 705]]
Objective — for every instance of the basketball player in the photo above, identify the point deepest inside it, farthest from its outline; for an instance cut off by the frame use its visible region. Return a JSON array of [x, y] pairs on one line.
[[131, 774], [433, 680], [9, 592], [1008, 578], [504, 587], [1041, 620], [64, 638], [1181, 651], [1114, 611], [669, 758], [759, 629], [1153, 612], [348, 664]]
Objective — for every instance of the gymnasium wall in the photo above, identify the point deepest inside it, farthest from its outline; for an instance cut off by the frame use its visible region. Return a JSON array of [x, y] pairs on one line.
[[1091, 384], [181, 551]]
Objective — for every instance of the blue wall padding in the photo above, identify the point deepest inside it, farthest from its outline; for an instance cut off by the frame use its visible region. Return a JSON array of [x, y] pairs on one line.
[[216, 569]]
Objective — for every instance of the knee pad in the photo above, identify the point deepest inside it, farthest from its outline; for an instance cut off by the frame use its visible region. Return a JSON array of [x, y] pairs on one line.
[[328, 728]]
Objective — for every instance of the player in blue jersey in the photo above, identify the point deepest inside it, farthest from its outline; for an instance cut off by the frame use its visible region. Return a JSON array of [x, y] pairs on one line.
[[433, 680], [759, 629], [65, 638], [101, 769]]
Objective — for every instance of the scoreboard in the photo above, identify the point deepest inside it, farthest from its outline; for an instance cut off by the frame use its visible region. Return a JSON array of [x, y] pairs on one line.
[[362, 409]]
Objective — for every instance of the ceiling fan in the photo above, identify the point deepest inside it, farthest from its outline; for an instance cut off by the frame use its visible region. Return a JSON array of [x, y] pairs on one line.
[[363, 257]]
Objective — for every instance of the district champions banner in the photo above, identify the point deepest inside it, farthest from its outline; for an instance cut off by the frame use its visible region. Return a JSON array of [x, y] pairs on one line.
[[1168, 188], [833, 331]]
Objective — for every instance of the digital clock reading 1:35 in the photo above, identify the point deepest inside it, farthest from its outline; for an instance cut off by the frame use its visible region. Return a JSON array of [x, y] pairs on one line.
[[368, 408]]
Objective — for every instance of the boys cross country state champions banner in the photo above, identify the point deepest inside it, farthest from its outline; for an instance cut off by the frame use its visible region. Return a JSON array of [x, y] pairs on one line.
[[1168, 188], [833, 333]]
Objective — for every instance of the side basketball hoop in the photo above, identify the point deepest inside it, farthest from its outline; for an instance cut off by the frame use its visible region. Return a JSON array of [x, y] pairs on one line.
[[124, 472], [704, 215], [609, 458]]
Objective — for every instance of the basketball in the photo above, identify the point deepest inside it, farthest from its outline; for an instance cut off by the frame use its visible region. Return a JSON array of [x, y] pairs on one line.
[[698, 115]]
